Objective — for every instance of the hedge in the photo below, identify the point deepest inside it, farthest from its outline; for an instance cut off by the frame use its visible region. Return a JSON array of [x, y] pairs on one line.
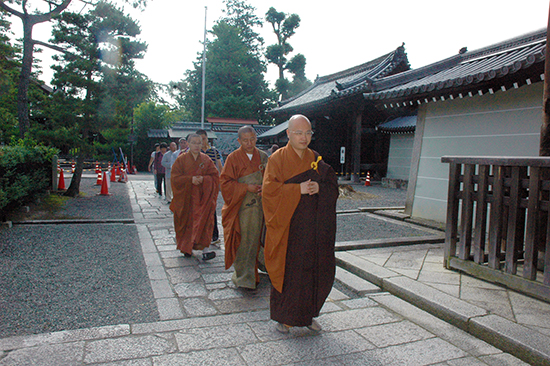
[[25, 173]]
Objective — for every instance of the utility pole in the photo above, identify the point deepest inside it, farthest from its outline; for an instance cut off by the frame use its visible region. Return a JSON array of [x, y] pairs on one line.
[[203, 69]]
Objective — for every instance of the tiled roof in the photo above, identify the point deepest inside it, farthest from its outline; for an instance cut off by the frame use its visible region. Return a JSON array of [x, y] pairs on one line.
[[152, 133], [345, 83], [504, 65], [232, 121], [274, 131], [399, 125]]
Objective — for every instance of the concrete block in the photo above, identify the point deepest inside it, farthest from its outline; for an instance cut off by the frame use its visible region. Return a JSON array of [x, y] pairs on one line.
[[363, 268], [529, 345], [213, 357], [392, 334], [109, 350], [169, 309], [424, 352], [53, 354], [161, 289], [356, 318], [184, 274], [444, 306], [187, 290], [355, 283], [223, 336], [156, 273], [198, 307], [336, 295]]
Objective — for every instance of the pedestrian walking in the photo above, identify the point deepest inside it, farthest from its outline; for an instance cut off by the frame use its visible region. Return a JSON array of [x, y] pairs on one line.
[[299, 196], [242, 215]]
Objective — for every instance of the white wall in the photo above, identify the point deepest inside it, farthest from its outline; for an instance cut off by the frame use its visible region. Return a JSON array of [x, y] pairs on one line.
[[399, 159], [502, 124]]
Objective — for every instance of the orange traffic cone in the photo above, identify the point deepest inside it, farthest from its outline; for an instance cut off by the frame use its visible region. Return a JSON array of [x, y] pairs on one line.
[[61, 184], [113, 174], [104, 186], [367, 180], [121, 176], [72, 167], [99, 180], [97, 170]]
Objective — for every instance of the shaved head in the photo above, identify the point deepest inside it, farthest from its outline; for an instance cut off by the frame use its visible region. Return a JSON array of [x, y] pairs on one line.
[[246, 129], [299, 133], [299, 119]]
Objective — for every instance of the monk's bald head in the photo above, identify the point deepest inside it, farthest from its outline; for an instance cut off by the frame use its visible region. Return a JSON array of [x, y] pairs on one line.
[[299, 133], [246, 129], [299, 120]]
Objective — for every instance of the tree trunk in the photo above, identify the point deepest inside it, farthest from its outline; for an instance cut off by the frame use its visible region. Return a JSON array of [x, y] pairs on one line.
[[74, 187], [24, 78]]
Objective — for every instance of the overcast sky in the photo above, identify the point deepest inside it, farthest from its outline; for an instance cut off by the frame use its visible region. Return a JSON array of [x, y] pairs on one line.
[[334, 35]]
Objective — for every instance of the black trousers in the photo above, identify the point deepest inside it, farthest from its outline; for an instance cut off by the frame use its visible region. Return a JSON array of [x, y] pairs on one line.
[[160, 182]]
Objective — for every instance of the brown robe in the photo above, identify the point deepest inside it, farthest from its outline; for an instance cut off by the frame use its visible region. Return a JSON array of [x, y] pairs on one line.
[[237, 173], [301, 231], [193, 205]]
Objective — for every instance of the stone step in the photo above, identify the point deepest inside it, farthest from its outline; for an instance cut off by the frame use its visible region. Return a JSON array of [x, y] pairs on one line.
[[355, 283]]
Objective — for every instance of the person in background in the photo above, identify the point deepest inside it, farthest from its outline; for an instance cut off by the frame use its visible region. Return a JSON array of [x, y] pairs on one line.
[[159, 169], [299, 196], [150, 165], [195, 184], [216, 157], [183, 147], [168, 160], [242, 216]]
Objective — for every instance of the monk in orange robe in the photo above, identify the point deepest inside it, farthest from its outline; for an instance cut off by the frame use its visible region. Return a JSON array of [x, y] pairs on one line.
[[242, 215], [195, 187], [299, 201]]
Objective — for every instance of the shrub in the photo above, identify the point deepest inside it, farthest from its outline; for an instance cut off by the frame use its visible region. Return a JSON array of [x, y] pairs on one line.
[[25, 173]]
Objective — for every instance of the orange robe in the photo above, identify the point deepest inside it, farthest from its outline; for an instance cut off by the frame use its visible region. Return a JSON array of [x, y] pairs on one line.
[[236, 166], [301, 231], [193, 205]]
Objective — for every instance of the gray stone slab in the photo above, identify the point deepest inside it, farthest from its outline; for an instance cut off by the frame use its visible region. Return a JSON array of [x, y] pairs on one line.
[[135, 362], [303, 348], [336, 295], [188, 290], [217, 277], [522, 342], [156, 272], [356, 318], [165, 248], [424, 352], [529, 311], [216, 286], [442, 329], [363, 268], [363, 302], [147, 245], [502, 359], [407, 260], [178, 262], [206, 321], [128, 347], [447, 307], [170, 254], [161, 289], [223, 336], [64, 336], [329, 307], [354, 282], [168, 241], [242, 304], [211, 357], [183, 274], [394, 333], [169, 309], [152, 259], [224, 294], [198, 306], [53, 354], [158, 234], [496, 301], [465, 361]]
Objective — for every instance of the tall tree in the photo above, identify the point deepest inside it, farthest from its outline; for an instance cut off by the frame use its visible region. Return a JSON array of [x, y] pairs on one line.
[[285, 27], [100, 45], [31, 14], [235, 84]]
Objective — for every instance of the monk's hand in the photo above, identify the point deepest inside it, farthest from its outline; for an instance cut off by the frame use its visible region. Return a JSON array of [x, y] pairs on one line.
[[254, 188], [313, 188], [196, 180], [304, 187]]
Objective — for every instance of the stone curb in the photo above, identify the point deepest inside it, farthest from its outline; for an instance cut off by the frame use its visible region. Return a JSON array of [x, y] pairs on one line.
[[388, 242], [522, 342]]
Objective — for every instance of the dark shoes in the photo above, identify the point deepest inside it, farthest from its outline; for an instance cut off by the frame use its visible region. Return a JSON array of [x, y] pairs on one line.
[[208, 256], [187, 255]]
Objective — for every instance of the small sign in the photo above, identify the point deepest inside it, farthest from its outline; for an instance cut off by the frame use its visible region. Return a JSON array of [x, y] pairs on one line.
[[343, 155]]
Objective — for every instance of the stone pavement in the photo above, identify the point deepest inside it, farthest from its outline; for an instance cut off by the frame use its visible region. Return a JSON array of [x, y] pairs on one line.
[[205, 320]]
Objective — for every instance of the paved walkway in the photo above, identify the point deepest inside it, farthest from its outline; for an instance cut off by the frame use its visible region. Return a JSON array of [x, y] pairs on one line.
[[205, 320]]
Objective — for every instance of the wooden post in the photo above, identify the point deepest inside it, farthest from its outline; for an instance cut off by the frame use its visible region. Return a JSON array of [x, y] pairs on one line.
[[356, 144], [545, 128]]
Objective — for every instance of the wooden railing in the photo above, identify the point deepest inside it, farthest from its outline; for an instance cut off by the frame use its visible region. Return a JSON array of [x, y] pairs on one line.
[[498, 227]]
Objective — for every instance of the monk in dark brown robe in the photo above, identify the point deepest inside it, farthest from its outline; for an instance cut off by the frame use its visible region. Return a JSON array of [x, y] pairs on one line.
[[195, 187], [299, 202], [242, 215]]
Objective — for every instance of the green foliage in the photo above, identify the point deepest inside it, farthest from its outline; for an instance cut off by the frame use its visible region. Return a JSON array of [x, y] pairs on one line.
[[25, 171], [235, 84], [285, 27], [148, 116]]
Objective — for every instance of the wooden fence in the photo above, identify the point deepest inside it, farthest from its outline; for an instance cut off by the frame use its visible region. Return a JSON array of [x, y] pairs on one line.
[[498, 227]]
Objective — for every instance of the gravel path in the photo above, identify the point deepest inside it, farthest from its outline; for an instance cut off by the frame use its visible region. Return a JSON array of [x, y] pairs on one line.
[[57, 277]]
